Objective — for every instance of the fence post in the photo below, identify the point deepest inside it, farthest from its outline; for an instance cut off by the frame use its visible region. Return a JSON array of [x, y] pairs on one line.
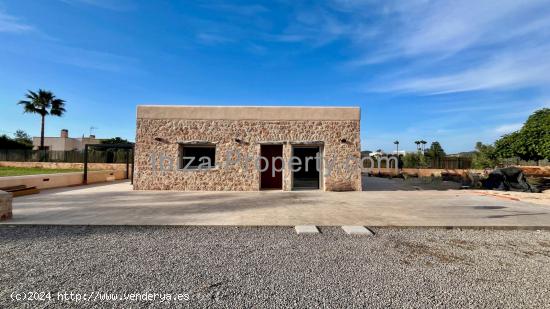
[[127, 157], [132, 178], [85, 164]]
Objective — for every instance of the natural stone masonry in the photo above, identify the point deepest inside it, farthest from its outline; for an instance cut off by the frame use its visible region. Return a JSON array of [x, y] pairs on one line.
[[5, 205], [159, 133]]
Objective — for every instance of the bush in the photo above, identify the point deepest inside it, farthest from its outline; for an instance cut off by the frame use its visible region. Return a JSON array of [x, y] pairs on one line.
[[7, 143]]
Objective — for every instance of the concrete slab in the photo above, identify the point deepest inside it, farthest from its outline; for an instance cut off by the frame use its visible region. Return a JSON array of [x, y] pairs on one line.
[[117, 204], [357, 230], [306, 229]]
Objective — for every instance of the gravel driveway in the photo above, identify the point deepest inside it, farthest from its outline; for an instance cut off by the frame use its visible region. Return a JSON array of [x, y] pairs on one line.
[[273, 267]]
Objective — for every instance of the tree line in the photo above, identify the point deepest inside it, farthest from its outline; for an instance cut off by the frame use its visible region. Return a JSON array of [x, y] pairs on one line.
[[530, 143]]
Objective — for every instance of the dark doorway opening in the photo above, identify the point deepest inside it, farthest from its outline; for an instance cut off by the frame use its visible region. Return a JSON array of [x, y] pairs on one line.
[[307, 174], [271, 175]]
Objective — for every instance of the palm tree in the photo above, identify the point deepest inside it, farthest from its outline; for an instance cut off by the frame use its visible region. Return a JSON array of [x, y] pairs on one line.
[[423, 142], [43, 103], [397, 145], [417, 145]]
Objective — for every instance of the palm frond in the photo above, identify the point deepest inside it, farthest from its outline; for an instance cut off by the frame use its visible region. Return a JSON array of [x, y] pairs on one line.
[[28, 107], [31, 95], [43, 102], [58, 107]]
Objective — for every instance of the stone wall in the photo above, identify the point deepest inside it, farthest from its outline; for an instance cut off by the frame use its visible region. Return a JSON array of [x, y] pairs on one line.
[[162, 137], [530, 171], [5, 205], [425, 172]]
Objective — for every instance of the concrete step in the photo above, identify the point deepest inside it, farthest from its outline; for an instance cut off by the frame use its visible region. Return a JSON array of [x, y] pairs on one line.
[[306, 229], [357, 230]]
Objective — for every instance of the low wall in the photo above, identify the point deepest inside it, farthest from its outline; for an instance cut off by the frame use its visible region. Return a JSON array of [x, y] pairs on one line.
[[47, 181], [91, 166], [425, 172], [534, 171], [5, 205]]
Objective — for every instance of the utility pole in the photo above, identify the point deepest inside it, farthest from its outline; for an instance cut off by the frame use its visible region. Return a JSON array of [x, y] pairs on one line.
[[397, 146]]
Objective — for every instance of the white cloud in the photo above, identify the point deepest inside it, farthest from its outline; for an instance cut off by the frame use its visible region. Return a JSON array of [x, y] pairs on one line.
[[450, 26], [90, 59], [472, 45], [415, 28], [314, 25], [213, 38], [114, 5], [516, 69], [247, 10], [508, 128], [12, 24], [78, 57]]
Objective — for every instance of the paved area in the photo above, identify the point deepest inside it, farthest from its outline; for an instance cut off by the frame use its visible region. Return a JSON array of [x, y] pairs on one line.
[[118, 204], [272, 267], [410, 184]]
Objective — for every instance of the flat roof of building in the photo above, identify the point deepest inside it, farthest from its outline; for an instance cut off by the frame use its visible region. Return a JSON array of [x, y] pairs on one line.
[[247, 112]]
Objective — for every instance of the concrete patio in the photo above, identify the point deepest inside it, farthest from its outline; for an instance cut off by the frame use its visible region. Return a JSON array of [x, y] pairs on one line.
[[117, 204]]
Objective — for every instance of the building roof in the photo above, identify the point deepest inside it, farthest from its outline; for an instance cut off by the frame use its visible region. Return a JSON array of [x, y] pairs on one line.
[[247, 112]]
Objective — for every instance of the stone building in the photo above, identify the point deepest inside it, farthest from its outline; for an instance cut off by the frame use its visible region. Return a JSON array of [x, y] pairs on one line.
[[63, 142], [247, 148]]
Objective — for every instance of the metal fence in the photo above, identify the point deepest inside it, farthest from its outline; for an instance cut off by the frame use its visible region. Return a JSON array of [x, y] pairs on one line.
[[519, 162], [435, 163], [450, 163], [74, 156]]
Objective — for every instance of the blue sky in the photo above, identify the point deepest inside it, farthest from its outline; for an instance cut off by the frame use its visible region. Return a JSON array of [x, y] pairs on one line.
[[452, 71]]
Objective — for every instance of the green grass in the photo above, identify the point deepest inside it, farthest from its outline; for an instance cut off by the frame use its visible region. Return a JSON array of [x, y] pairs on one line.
[[19, 171]]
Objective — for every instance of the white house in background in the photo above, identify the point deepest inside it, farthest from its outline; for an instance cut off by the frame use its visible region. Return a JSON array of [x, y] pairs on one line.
[[401, 152], [377, 154], [392, 153], [64, 142]]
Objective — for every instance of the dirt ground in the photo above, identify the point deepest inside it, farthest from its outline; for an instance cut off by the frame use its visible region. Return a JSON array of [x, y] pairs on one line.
[[535, 198]]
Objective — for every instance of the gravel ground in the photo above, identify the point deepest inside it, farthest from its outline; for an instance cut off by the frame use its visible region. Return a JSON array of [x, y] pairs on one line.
[[273, 267]]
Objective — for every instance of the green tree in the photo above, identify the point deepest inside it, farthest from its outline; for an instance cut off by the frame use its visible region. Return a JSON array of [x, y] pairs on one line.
[[531, 142], [510, 146], [114, 154], [435, 151], [423, 142], [43, 103], [485, 156], [115, 140], [22, 137], [536, 135], [434, 154], [8, 143], [411, 160]]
